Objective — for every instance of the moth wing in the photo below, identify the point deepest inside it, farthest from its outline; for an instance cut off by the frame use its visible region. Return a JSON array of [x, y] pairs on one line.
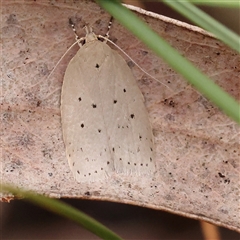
[[127, 121], [105, 123], [84, 130]]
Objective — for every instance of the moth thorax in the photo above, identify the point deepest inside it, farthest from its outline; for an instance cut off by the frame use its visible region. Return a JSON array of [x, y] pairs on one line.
[[91, 37]]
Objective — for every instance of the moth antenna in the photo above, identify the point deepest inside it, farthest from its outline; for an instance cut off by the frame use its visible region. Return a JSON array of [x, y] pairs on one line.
[[106, 39], [109, 27], [74, 29], [78, 41], [62, 58]]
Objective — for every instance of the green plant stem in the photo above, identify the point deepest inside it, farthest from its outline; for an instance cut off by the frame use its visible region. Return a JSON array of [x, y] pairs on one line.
[[218, 3], [205, 21], [64, 210], [204, 84]]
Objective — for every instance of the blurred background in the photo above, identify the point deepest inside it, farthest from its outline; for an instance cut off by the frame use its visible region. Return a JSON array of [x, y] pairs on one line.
[[228, 16], [20, 220]]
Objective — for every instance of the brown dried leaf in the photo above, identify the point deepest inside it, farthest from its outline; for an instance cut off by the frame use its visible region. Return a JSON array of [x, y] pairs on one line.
[[197, 145]]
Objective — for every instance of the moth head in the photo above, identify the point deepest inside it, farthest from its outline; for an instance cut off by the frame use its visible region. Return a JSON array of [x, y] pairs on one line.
[[90, 35]]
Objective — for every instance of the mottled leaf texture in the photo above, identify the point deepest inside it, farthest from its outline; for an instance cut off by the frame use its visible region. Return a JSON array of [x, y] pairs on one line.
[[197, 146]]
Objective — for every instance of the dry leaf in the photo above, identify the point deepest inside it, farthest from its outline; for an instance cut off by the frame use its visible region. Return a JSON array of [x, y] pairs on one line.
[[197, 145]]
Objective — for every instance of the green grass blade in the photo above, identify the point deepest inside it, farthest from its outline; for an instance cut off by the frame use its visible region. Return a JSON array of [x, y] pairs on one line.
[[205, 21], [64, 210], [218, 3], [207, 87]]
